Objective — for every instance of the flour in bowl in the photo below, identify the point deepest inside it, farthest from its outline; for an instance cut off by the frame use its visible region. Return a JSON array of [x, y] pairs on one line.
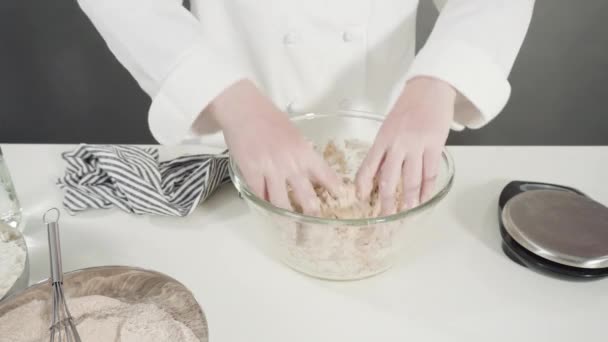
[[342, 250], [98, 319], [12, 258]]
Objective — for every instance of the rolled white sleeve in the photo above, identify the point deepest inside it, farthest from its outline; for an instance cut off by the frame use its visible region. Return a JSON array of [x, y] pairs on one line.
[[473, 47], [163, 47]]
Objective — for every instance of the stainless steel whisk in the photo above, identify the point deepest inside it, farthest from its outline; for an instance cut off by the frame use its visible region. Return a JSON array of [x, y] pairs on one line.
[[62, 327]]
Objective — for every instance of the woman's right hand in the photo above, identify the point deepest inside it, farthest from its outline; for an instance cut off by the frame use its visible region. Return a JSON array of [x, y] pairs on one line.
[[269, 150]]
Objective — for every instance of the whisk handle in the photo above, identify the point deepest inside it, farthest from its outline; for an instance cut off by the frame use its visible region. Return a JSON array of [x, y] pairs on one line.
[[52, 225]]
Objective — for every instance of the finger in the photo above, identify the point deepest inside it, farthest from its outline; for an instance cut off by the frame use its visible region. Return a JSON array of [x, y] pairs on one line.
[[430, 171], [323, 175], [305, 195], [412, 178], [277, 192], [255, 182], [364, 179], [388, 179]]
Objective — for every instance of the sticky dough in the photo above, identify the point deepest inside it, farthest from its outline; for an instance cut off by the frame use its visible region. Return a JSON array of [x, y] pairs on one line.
[[347, 205]]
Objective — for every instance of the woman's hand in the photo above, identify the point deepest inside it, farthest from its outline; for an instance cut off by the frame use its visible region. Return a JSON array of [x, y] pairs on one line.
[[269, 150], [409, 145]]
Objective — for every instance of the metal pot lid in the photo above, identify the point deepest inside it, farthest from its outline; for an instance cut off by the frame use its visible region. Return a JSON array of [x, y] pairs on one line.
[[560, 226]]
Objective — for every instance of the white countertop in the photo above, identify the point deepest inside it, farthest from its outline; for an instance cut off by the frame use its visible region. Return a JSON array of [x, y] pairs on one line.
[[453, 284]]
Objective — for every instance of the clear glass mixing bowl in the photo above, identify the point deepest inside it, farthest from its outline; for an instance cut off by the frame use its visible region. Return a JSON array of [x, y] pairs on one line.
[[340, 249]]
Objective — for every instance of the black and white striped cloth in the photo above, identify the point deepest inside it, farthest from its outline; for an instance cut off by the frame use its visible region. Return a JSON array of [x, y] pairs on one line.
[[132, 179]]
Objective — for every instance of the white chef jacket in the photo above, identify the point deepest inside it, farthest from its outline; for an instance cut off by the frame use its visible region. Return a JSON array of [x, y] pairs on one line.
[[308, 55]]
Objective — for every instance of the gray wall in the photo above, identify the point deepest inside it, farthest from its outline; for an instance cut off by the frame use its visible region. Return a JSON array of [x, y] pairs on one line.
[[60, 84]]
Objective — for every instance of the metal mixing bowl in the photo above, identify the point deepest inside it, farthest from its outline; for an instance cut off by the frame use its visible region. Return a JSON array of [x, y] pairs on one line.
[[340, 249], [127, 284]]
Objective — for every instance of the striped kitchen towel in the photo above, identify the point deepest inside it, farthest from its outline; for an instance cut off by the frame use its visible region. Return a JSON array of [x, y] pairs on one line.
[[132, 179]]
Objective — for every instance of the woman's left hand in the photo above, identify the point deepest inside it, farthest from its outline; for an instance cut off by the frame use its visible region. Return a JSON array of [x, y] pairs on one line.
[[409, 144]]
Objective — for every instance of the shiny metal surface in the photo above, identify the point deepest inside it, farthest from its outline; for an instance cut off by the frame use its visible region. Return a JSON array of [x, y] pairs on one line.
[[559, 226], [51, 219], [62, 327]]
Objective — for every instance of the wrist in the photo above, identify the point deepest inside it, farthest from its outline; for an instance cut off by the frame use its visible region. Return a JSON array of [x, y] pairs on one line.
[[434, 86], [237, 104]]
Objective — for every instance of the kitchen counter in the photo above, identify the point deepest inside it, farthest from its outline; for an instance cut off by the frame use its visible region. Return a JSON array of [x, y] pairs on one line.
[[453, 282]]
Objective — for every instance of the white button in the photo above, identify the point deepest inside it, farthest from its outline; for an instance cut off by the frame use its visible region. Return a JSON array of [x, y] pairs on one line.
[[290, 38], [349, 36], [346, 104]]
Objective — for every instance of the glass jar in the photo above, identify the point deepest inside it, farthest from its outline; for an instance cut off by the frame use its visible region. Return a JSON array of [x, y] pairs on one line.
[[10, 209]]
